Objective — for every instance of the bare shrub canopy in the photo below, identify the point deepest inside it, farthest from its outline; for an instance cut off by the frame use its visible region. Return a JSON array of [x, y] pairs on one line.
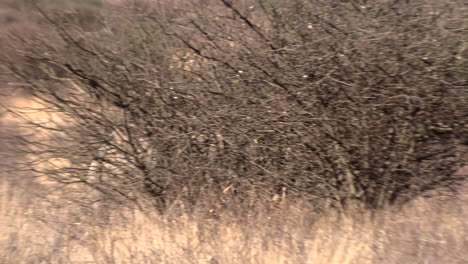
[[329, 100]]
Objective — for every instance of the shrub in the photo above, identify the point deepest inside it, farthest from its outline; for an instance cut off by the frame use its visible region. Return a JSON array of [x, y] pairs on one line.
[[344, 101]]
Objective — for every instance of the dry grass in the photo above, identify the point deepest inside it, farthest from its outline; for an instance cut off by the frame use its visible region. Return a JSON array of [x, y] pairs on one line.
[[38, 230]]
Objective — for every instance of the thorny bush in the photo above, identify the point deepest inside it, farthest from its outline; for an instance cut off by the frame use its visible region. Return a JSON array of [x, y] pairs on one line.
[[340, 101]]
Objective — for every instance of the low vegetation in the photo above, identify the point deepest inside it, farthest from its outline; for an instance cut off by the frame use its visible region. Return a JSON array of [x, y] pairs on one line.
[[325, 126]]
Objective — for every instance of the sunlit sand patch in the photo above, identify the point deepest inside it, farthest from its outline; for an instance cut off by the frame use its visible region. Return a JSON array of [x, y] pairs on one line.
[[51, 163], [29, 116], [23, 111]]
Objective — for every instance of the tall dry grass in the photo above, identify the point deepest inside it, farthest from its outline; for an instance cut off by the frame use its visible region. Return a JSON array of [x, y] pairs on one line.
[[36, 228]]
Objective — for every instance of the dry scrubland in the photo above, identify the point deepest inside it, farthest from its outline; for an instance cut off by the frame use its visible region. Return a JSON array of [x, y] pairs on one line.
[[42, 231], [40, 225], [213, 209]]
